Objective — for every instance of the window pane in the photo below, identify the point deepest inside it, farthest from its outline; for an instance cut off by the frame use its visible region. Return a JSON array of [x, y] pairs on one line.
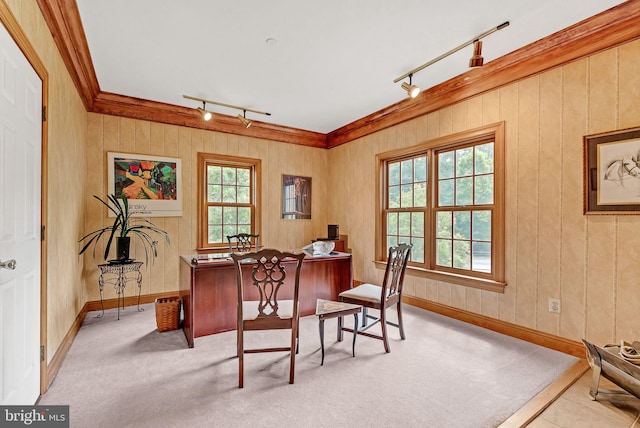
[[481, 226], [484, 189], [394, 173], [215, 215], [445, 193], [407, 196], [228, 194], [406, 171], [244, 215], [484, 158], [214, 174], [245, 228], [417, 251], [443, 252], [394, 197], [243, 195], [420, 195], [420, 169], [230, 215], [462, 225], [214, 193], [464, 162], [417, 224], [404, 224], [229, 230], [392, 223], [464, 191], [244, 177], [228, 175], [445, 165], [444, 225], [461, 255], [482, 257], [392, 241], [214, 235]]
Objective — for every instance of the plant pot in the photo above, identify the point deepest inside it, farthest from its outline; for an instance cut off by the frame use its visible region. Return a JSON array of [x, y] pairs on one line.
[[122, 247]]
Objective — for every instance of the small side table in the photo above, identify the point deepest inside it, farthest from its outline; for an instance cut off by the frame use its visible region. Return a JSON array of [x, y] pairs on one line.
[[117, 274], [326, 309]]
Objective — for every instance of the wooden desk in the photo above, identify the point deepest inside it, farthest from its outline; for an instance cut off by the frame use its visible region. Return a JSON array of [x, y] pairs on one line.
[[210, 297]]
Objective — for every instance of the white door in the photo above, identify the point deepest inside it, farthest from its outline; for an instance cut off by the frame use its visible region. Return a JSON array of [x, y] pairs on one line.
[[20, 175]]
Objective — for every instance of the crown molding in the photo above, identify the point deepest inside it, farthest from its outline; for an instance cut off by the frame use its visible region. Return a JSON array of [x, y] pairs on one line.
[[608, 29], [136, 108]]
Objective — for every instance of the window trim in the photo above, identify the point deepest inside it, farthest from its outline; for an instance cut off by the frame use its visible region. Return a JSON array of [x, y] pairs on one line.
[[494, 131], [225, 160]]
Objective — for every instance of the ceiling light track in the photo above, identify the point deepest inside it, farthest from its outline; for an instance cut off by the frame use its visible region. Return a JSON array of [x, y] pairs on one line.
[[207, 115], [476, 60]]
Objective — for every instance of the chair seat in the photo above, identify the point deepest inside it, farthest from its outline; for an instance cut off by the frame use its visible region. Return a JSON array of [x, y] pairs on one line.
[[250, 309], [367, 292]]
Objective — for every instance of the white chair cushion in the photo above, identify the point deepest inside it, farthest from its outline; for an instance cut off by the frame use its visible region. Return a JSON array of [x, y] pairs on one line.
[[250, 309], [367, 292]]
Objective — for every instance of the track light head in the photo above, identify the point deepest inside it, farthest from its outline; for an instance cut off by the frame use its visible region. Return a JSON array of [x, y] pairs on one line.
[[476, 60], [412, 90], [206, 115], [241, 117]]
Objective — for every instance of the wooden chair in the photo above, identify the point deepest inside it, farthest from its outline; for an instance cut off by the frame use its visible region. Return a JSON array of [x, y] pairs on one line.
[[380, 297], [243, 243], [268, 272]]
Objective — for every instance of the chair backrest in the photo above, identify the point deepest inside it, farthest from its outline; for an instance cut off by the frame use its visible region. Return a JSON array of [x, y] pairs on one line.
[[243, 242], [268, 274], [394, 273]]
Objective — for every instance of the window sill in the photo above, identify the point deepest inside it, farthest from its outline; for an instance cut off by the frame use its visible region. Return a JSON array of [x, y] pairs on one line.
[[467, 281]]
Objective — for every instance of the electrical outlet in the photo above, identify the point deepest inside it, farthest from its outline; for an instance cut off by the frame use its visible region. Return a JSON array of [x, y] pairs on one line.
[[554, 305]]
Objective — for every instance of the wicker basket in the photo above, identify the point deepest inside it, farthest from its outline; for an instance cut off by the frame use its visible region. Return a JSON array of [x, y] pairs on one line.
[[168, 313]]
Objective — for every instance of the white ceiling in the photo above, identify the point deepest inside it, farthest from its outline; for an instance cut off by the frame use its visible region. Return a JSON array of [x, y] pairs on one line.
[[331, 61]]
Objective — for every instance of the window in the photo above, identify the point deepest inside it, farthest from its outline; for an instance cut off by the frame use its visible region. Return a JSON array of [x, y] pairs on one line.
[[446, 197], [229, 199]]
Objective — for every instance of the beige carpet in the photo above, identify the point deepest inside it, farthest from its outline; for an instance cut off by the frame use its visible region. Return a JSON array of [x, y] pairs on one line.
[[446, 374]]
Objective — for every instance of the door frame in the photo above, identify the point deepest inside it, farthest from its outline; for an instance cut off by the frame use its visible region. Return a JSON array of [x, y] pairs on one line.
[[11, 24]]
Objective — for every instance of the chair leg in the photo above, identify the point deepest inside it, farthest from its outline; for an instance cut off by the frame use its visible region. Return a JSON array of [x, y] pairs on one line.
[[292, 363], [364, 317], [240, 358], [298, 341], [400, 325], [383, 325], [339, 329]]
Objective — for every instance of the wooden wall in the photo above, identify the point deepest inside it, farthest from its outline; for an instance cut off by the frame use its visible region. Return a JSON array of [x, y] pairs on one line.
[[552, 249], [115, 134]]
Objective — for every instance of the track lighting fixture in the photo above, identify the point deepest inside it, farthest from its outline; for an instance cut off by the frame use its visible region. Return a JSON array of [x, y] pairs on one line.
[[206, 115], [476, 60], [412, 90], [243, 118]]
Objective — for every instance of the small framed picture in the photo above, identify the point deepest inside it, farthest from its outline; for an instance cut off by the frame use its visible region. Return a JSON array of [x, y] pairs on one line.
[[612, 172], [296, 197]]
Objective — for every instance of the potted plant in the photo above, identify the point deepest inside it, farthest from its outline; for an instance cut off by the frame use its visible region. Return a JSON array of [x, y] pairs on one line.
[[123, 228]]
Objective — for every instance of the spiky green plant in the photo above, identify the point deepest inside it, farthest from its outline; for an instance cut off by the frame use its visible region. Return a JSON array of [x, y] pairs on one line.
[[124, 225]]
